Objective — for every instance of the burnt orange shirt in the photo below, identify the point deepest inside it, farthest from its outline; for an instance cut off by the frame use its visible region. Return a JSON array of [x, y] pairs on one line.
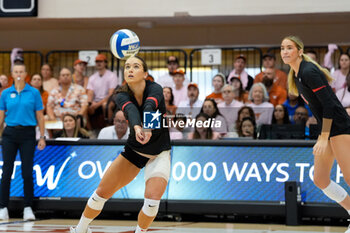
[[277, 94], [171, 109], [216, 96], [11, 80], [44, 97], [243, 98], [280, 80]]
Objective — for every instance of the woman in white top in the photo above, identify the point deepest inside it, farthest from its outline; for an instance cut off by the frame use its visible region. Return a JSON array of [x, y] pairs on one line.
[[339, 75], [211, 109], [344, 93], [262, 108], [50, 82]]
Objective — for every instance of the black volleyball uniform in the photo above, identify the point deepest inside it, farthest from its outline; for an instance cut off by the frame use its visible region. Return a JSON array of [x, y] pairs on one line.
[[153, 100], [316, 92]]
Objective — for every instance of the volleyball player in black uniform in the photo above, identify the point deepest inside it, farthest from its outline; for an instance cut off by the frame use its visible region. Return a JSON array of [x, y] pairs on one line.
[[310, 80], [144, 148]]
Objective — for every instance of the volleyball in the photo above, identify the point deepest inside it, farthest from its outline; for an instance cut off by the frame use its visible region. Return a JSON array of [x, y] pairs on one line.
[[124, 44]]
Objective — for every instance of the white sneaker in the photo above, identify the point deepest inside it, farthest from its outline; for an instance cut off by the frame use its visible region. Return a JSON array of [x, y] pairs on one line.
[[28, 214], [348, 230], [4, 214], [73, 230]]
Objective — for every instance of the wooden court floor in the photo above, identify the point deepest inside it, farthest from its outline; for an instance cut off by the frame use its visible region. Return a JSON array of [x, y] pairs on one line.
[[109, 226]]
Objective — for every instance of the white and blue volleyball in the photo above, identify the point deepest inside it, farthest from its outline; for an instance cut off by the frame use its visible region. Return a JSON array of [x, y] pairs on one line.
[[124, 44]]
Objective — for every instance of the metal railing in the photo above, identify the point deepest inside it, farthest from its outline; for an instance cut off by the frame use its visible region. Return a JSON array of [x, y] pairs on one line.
[[320, 51], [65, 58], [156, 60], [32, 59], [203, 74]]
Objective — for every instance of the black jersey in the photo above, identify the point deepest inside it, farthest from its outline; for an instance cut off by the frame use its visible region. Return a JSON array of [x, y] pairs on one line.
[[316, 92], [153, 99]]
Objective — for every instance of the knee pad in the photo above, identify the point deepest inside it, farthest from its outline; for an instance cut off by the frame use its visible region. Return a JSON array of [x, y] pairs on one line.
[[150, 207], [159, 167], [96, 202], [335, 192]]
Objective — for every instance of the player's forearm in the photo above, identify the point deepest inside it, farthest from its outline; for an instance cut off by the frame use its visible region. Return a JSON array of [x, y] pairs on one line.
[[326, 127]]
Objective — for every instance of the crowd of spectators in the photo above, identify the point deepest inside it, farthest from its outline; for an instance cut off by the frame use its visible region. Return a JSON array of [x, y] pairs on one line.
[[240, 106]]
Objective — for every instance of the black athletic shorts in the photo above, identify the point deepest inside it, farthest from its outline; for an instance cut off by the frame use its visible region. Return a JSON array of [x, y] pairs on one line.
[[134, 158]]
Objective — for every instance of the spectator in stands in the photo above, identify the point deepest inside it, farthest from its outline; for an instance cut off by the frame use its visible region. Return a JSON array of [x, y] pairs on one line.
[[178, 130], [119, 130], [167, 80], [71, 128], [201, 131], [16, 53], [239, 72], [269, 62], [211, 109], [243, 112], [79, 73], [192, 106], [229, 108], [241, 95], [67, 98], [292, 103], [280, 115], [100, 87], [262, 108], [247, 128], [277, 94], [179, 89], [312, 54], [50, 82], [3, 83], [340, 74], [343, 94], [37, 82], [327, 60], [301, 115], [218, 82], [169, 100]]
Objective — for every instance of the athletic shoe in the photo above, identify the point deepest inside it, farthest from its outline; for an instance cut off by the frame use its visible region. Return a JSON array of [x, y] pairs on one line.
[[28, 214], [4, 214], [72, 230], [348, 230]]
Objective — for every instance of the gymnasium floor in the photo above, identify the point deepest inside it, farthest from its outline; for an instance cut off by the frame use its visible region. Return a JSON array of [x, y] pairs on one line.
[[102, 226]]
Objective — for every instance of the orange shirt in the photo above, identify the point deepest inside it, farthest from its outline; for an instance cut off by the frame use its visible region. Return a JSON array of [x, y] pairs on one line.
[[44, 97], [11, 80], [277, 94], [171, 109], [243, 98], [216, 96], [280, 80]]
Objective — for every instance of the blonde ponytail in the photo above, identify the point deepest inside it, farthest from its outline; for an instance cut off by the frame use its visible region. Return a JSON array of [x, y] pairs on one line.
[[324, 70], [292, 87]]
